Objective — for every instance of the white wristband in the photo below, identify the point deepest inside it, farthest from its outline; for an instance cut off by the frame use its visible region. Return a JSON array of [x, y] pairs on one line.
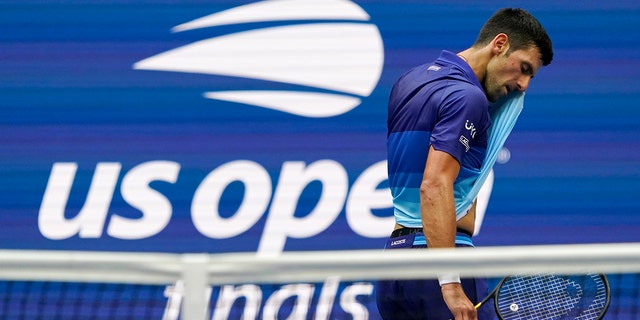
[[448, 278]]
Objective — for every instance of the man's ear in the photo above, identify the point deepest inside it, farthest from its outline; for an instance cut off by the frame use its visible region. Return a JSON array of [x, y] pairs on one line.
[[500, 43]]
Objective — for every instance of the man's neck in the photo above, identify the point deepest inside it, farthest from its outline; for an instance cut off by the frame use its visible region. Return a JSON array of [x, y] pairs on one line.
[[477, 59]]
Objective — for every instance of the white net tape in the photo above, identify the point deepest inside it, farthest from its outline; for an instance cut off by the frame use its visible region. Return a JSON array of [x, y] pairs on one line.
[[200, 271]]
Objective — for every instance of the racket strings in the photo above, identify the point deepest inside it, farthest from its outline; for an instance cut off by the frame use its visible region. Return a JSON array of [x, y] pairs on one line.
[[599, 303], [535, 297]]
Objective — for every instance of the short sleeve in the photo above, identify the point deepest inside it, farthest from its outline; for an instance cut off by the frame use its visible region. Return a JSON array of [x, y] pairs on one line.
[[462, 118]]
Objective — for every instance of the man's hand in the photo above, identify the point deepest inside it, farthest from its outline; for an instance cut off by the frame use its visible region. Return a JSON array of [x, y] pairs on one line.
[[460, 306]]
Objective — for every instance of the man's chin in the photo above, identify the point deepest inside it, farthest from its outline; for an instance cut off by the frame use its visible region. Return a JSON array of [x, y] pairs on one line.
[[497, 95]]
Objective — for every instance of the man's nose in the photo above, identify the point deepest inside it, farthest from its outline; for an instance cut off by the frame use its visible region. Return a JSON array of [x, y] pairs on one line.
[[523, 83]]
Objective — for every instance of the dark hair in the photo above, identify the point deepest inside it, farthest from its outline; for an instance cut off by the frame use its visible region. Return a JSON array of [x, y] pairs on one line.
[[522, 28]]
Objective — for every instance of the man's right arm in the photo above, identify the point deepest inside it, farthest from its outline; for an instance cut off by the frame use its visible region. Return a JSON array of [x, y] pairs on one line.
[[438, 213], [437, 205]]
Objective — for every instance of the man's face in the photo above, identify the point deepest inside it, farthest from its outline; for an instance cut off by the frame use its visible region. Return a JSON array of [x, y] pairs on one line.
[[511, 71]]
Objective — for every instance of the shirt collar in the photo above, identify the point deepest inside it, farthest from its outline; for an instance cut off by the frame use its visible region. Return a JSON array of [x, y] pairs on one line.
[[452, 58]]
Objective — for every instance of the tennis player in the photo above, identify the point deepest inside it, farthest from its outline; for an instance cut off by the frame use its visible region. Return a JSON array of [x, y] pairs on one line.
[[438, 125]]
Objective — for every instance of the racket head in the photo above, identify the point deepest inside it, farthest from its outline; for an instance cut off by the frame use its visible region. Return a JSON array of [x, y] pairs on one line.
[[553, 297]]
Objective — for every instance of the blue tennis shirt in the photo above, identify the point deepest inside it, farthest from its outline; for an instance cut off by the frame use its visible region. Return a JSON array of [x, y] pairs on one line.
[[440, 104]]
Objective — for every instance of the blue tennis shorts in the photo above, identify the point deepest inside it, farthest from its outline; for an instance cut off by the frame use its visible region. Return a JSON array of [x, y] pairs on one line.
[[422, 299]]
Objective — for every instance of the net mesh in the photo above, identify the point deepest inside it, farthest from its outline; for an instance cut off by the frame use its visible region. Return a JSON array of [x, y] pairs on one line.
[[297, 285], [79, 300]]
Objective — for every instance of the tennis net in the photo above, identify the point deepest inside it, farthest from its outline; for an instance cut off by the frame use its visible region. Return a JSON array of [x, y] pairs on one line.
[[293, 285]]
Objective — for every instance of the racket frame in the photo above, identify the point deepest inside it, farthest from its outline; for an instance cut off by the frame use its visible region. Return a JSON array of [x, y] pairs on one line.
[[494, 295]]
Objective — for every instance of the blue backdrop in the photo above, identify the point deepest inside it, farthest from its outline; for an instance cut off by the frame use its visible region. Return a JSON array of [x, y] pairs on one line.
[[75, 108], [139, 126]]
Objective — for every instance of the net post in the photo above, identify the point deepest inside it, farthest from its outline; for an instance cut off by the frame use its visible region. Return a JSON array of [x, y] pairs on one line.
[[194, 275]]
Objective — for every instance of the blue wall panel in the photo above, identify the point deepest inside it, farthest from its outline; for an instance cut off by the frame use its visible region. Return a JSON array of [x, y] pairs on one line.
[[70, 94]]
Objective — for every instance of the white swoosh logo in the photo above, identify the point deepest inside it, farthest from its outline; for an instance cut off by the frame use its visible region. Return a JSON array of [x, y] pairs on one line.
[[280, 10], [316, 104], [344, 57]]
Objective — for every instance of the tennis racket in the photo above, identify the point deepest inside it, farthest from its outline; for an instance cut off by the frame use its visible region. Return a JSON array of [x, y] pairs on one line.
[[551, 296]]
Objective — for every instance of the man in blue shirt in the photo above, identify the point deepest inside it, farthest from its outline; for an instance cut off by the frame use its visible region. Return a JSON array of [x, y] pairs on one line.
[[438, 132]]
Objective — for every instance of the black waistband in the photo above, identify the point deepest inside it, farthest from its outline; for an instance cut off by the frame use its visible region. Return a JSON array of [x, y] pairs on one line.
[[405, 231]]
